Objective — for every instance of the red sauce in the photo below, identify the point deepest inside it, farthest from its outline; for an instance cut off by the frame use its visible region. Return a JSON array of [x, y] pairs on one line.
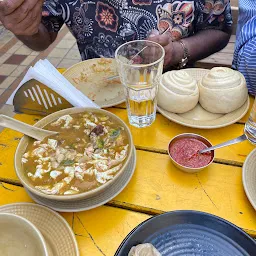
[[185, 152]]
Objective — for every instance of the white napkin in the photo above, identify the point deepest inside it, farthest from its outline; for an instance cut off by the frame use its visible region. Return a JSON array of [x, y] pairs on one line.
[[46, 73]]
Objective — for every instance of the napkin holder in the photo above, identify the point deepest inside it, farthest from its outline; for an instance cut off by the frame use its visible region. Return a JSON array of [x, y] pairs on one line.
[[43, 91], [35, 98]]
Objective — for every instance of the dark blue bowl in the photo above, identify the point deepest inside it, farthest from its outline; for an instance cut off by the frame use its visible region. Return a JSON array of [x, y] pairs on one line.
[[190, 233]]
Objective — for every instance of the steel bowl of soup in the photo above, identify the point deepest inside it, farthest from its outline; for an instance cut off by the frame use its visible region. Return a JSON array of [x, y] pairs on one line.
[[90, 151]]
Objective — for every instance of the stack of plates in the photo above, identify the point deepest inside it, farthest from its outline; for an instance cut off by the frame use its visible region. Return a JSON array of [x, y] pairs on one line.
[[92, 202], [59, 237]]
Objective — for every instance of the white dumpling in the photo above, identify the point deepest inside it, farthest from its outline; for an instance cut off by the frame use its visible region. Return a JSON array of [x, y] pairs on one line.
[[178, 92], [222, 90], [144, 250]]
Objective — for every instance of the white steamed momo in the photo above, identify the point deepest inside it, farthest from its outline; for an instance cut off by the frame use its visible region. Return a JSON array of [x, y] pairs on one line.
[[222, 90], [178, 92], [144, 250]]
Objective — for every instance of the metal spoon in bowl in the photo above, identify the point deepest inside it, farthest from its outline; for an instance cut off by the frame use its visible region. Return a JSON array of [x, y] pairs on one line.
[[224, 144], [29, 130]]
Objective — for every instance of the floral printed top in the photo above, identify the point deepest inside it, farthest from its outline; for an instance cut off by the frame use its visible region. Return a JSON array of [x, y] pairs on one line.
[[101, 26]]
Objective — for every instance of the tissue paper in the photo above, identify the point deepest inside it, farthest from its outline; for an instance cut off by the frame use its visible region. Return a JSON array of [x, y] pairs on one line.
[[47, 74]]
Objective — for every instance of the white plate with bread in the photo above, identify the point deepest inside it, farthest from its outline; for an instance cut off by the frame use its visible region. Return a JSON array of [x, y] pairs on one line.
[[202, 98]]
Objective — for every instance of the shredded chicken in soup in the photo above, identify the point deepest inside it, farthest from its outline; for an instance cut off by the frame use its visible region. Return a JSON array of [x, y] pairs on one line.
[[89, 151]]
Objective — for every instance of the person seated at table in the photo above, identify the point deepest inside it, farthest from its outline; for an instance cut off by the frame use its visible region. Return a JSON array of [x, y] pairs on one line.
[[245, 48], [101, 26]]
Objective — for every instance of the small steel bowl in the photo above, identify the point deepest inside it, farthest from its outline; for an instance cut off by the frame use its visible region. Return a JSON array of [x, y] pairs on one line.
[[195, 136]]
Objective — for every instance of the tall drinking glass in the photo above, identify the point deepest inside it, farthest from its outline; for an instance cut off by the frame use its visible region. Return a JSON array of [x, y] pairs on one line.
[[140, 66], [250, 125]]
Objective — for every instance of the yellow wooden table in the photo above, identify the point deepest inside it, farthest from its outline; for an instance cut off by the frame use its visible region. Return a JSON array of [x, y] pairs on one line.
[[157, 186]]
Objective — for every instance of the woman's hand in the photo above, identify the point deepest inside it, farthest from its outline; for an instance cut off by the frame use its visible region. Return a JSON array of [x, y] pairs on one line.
[[173, 50], [21, 17]]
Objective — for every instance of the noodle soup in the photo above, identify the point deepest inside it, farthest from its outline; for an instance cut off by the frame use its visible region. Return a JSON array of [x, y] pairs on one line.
[[88, 151]]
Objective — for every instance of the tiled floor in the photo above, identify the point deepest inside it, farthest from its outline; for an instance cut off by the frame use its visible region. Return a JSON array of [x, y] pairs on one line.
[[16, 58]]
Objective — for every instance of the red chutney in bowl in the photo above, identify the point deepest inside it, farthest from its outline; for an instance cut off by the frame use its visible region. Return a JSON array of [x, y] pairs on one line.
[[185, 151]]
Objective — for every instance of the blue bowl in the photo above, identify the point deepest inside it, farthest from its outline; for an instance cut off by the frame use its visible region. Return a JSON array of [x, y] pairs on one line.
[[190, 233]]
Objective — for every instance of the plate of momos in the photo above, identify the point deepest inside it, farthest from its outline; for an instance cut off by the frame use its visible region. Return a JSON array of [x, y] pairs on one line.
[[202, 98]]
